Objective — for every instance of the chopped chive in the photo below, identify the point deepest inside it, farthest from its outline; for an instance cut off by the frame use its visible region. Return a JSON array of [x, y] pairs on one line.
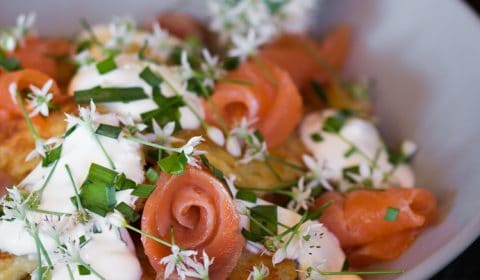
[[347, 171], [150, 77], [104, 95], [108, 131], [316, 137], [391, 214], [152, 175], [231, 63], [319, 91], [122, 183], [82, 240], [106, 65], [83, 270], [142, 50], [52, 156], [246, 196], [173, 164], [334, 124], [143, 191], [130, 215], [100, 174]]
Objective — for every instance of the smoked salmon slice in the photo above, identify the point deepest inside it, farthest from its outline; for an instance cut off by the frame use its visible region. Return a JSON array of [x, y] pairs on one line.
[[49, 56], [358, 221], [23, 79], [203, 217], [270, 97], [306, 60]]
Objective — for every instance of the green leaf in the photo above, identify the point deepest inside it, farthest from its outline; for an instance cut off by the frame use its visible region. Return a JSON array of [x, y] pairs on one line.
[[334, 124], [100, 174], [109, 94], [152, 175], [150, 77], [106, 65], [70, 131], [350, 152], [173, 164], [108, 131], [267, 216], [246, 196], [130, 215], [391, 214], [52, 156]]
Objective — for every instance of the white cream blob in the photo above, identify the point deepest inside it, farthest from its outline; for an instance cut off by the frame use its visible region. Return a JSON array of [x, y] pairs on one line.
[[105, 250], [361, 133], [127, 75]]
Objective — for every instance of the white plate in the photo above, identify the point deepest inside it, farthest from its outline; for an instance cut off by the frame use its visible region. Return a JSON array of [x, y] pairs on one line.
[[425, 57]]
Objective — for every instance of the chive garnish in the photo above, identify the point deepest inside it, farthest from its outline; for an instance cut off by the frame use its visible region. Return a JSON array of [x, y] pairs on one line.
[[350, 151], [130, 215], [316, 137], [150, 77], [10, 63], [319, 91], [83, 270], [152, 175], [109, 94], [391, 214], [108, 131], [106, 65], [265, 220], [173, 164], [143, 191]]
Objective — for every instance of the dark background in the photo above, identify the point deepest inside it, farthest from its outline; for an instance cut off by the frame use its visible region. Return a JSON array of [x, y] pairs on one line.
[[467, 265]]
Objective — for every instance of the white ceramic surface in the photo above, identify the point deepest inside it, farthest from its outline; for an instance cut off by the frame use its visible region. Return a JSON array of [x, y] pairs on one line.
[[425, 58]]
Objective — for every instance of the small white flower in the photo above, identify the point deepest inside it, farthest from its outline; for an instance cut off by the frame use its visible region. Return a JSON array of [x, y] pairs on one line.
[[40, 99], [12, 89], [7, 41], [211, 68], [84, 58], [320, 172], [67, 251], [245, 46], [186, 68], [256, 150], [367, 176], [162, 136], [302, 198], [87, 115], [189, 150], [233, 146], [409, 148], [178, 261], [24, 24], [200, 270], [42, 147], [130, 124], [56, 226], [14, 205], [121, 31], [216, 135], [258, 272], [294, 244]]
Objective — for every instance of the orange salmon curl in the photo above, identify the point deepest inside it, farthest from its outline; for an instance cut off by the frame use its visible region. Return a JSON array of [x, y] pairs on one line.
[[358, 221], [268, 95], [203, 217]]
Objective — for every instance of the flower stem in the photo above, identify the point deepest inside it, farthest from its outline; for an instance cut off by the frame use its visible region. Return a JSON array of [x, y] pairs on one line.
[[47, 180], [30, 126], [77, 195], [266, 72], [380, 272], [286, 163], [70, 272], [235, 81], [150, 144], [274, 172], [141, 232]]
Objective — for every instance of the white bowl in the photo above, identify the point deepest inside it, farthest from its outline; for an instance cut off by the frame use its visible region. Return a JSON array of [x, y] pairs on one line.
[[424, 56]]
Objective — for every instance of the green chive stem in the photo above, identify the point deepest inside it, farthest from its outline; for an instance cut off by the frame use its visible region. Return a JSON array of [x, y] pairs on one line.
[[89, 29], [49, 176], [153, 145], [260, 225], [77, 195], [50, 212], [286, 163], [235, 81], [30, 126], [70, 272], [141, 232], [274, 172], [110, 161]]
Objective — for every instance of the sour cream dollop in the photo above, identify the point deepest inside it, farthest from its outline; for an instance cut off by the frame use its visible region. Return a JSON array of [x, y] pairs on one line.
[[334, 149]]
